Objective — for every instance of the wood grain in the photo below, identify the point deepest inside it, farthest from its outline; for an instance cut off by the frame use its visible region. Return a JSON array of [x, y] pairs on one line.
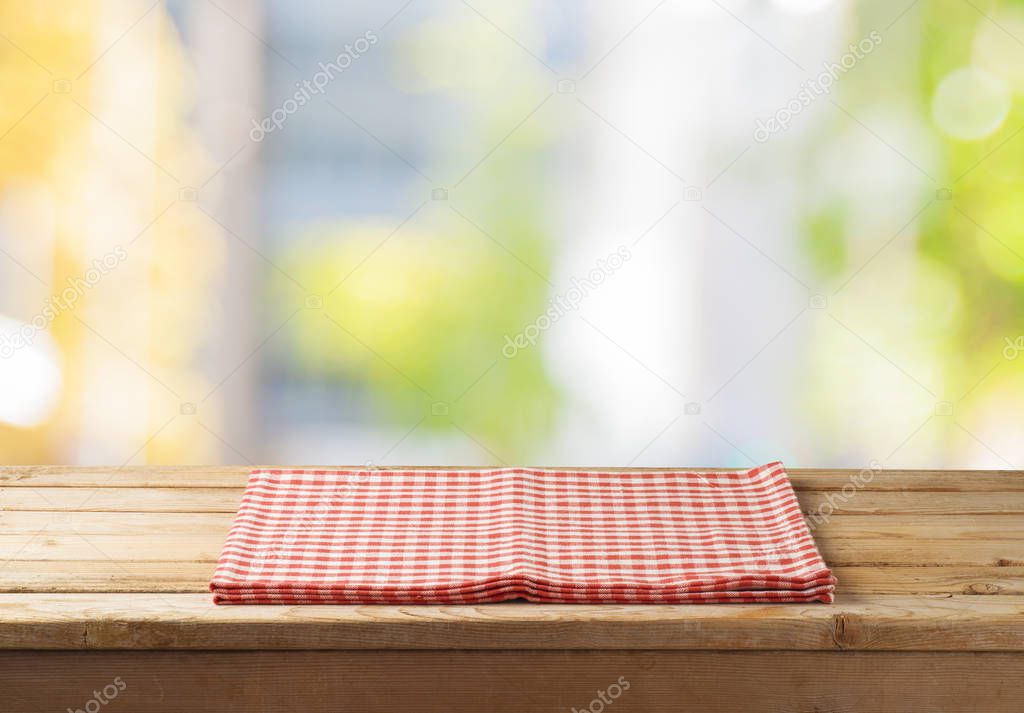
[[192, 621], [20, 522], [94, 558], [160, 547], [514, 681], [108, 576], [867, 502], [111, 576], [226, 500], [235, 477], [971, 527]]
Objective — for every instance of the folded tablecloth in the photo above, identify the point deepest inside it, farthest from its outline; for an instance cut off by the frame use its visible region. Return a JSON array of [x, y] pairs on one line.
[[545, 535]]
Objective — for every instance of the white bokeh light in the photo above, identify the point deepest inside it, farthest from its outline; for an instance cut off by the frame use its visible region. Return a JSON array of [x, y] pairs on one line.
[[997, 49], [30, 376], [970, 104]]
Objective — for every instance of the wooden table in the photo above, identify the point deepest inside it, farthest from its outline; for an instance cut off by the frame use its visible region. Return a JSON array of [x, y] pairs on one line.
[[103, 577]]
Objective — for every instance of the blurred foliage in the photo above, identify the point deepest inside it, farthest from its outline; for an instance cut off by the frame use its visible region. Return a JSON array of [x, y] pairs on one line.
[[823, 240], [946, 312], [414, 316], [421, 311], [419, 319], [982, 239]]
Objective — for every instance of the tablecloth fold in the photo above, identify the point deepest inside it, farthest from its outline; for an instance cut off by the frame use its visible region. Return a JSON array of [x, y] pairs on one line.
[[546, 535]]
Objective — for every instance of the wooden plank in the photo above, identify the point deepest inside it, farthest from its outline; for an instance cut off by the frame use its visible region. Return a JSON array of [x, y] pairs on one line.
[[206, 547], [109, 576], [971, 527], [952, 481], [915, 527], [141, 549], [236, 476], [121, 499], [149, 476], [192, 621], [820, 505], [930, 580], [511, 682], [104, 575], [44, 547], [924, 553], [20, 522]]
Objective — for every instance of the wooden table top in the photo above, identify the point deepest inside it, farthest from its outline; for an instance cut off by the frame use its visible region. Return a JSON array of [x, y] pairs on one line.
[[102, 558]]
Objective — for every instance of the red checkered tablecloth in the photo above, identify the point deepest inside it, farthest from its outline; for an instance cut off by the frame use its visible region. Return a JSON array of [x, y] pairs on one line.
[[467, 536]]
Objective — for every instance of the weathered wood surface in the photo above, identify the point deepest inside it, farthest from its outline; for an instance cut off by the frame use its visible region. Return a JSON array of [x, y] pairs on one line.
[[94, 576], [226, 500], [94, 558], [511, 681], [156, 547], [190, 621], [187, 476]]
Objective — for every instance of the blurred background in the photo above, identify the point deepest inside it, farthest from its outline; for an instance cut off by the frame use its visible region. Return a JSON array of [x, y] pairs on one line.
[[676, 232]]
